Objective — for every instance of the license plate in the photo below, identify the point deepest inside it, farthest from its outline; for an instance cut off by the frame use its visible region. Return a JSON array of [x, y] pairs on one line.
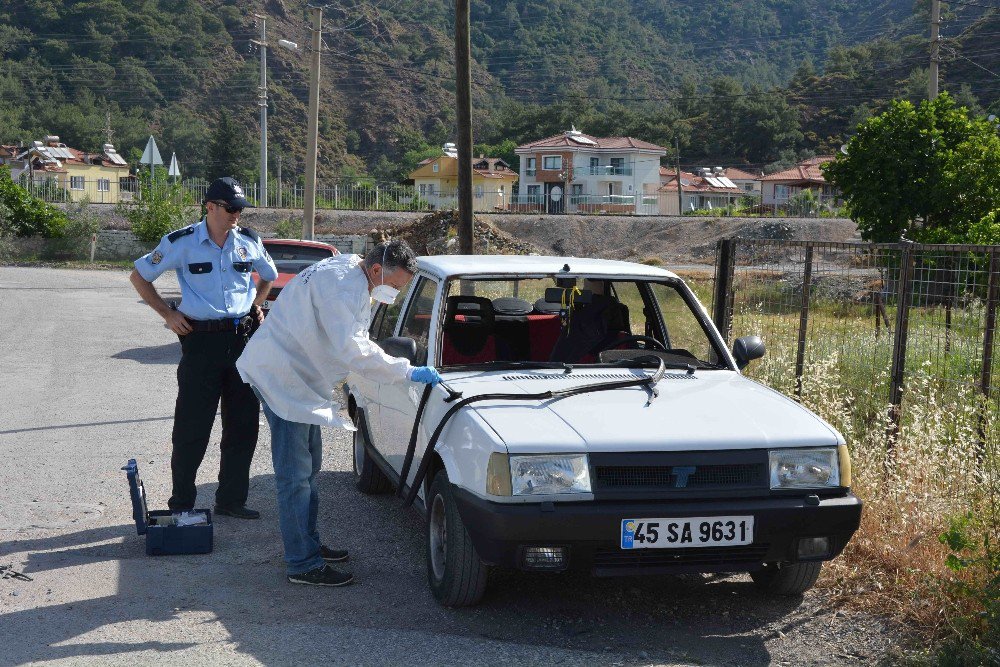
[[696, 531]]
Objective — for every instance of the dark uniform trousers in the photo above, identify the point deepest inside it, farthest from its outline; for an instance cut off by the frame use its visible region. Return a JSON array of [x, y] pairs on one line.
[[207, 373]]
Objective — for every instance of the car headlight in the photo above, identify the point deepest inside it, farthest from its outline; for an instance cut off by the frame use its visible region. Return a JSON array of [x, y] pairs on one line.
[[543, 474], [804, 468]]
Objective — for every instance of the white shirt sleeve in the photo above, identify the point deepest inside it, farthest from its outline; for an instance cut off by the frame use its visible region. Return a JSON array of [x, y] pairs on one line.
[[345, 327]]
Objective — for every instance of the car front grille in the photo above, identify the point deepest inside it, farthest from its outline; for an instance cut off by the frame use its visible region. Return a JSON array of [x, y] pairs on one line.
[[707, 557], [708, 476], [669, 475]]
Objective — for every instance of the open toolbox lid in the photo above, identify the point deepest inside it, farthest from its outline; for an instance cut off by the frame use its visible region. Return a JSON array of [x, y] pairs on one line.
[[140, 511]]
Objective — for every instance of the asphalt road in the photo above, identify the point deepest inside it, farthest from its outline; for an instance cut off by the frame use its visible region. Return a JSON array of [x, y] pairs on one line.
[[87, 381]]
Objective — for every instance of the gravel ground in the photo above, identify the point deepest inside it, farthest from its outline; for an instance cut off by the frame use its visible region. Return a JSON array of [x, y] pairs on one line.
[[88, 382]]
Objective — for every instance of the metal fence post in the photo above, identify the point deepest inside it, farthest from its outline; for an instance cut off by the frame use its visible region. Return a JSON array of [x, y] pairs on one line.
[[722, 300], [800, 349], [986, 377], [904, 291]]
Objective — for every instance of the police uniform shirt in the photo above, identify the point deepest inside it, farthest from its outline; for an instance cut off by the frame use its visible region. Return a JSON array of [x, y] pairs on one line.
[[215, 282]]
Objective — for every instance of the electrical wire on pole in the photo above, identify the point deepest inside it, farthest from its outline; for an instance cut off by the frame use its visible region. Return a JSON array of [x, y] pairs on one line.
[[463, 99], [312, 132]]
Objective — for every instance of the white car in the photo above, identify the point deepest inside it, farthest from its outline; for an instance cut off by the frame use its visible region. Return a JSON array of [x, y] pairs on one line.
[[592, 418]]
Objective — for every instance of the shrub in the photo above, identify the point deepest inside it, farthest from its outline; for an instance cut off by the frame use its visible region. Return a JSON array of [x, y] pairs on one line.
[[652, 260], [25, 215], [158, 209], [290, 228], [82, 224]]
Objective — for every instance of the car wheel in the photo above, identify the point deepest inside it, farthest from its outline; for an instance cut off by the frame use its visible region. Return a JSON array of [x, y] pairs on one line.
[[456, 574], [794, 579], [368, 477]]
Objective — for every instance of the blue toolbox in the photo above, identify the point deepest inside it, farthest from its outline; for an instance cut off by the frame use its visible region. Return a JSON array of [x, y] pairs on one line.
[[168, 532]]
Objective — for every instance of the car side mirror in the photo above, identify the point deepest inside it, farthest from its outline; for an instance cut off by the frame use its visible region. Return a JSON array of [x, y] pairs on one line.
[[746, 349], [400, 346]]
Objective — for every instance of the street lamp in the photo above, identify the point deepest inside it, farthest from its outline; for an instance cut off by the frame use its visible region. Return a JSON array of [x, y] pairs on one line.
[[262, 43]]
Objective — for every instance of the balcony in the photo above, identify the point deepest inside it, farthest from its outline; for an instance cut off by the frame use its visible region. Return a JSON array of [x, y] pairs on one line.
[[610, 170]]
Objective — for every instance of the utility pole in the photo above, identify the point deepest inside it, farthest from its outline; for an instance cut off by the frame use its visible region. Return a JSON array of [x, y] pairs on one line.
[[463, 99], [677, 162], [108, 132], [932, 83], [312, 132], [262, 195], [279, 180]]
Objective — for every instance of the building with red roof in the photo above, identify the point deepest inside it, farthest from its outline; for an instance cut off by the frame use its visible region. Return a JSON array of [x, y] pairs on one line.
[[778, 188]]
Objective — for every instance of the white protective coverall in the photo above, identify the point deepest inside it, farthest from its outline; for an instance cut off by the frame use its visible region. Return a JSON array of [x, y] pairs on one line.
[[316, 334]]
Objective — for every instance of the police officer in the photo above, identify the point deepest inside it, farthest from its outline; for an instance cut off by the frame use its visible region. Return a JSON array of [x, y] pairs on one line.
[[220, 306]]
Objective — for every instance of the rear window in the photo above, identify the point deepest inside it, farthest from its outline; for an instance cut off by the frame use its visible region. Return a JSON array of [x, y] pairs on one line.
[[293, 258]]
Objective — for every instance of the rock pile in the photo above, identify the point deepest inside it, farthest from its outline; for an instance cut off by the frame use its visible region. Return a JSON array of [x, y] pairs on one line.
[[437, 234]]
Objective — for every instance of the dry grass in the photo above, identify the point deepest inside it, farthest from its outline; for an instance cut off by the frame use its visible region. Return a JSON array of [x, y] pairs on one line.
[[936, 469]]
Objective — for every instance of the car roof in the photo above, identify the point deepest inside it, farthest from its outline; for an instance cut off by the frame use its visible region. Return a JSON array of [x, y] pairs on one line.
[[299, 242], [445, 266]]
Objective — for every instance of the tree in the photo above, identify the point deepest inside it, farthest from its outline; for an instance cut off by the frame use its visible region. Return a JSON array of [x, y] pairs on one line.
[[229, 153], [927, 173]]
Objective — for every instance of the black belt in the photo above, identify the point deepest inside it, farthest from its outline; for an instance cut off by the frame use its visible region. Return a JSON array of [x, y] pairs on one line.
[[225, 324]]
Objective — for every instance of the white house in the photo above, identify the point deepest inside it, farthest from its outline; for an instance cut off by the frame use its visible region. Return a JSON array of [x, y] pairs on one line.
[[573, 172]]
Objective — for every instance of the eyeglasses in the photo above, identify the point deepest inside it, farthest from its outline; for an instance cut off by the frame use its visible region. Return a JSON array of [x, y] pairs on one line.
[[227, 208]]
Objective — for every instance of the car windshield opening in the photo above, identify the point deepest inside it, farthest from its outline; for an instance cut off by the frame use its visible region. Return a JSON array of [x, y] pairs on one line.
[[557, 321]]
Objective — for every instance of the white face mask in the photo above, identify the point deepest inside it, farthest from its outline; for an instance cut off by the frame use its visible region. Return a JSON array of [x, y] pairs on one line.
[[384, 293]]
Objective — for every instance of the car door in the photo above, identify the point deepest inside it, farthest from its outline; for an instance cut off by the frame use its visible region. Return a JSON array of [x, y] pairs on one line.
[[383, 326], [398, 401]]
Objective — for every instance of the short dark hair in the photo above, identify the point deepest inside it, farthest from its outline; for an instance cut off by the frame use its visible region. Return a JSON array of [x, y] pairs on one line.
[[392, 255]]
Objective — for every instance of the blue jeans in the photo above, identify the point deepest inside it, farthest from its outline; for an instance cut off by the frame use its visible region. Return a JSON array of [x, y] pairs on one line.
[[297, 454]]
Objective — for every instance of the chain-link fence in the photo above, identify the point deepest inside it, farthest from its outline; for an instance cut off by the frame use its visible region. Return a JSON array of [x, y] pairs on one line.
[[892, 343]]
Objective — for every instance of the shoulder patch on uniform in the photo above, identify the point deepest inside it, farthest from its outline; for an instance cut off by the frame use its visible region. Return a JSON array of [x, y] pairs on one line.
[[173, 236], [249, 232]]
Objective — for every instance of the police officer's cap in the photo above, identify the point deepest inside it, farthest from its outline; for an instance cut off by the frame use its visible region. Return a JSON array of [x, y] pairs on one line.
[[228, 190]]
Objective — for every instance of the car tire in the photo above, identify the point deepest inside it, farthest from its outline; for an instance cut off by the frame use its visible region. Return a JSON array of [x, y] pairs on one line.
[[455, 572], [788, 580], [368, 477]]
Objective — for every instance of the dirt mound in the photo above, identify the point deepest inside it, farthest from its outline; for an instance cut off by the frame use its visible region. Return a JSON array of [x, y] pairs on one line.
[[437, 234]]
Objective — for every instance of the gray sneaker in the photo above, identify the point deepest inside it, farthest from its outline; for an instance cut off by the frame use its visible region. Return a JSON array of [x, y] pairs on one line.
[[322, 576]]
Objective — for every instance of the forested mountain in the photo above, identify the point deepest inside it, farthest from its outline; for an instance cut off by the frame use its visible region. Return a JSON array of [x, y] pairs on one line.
[[751, 82]]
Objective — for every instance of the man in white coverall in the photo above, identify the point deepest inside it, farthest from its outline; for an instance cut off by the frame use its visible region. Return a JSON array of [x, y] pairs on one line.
[[317, 333]]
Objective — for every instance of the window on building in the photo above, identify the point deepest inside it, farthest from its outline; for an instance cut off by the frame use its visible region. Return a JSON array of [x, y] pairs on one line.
[[436, 167], [595, 162], [423, 189], [103, 185], [617, 165], [529, 166], [479, 192], [552, 162], [782, 191], [76, 183], [502, 190]]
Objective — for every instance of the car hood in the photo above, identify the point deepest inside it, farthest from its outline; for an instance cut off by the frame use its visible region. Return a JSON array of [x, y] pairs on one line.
[[709, 410]]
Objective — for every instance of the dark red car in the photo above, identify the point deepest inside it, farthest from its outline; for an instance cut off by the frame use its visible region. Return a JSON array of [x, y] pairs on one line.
[[290, 257]]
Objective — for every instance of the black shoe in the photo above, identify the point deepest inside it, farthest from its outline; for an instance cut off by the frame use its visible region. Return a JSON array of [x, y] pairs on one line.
[[322, 576], [240, 512], [333, 555]]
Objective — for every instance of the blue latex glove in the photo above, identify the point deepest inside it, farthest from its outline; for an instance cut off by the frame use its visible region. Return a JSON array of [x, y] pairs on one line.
[[425, 374]]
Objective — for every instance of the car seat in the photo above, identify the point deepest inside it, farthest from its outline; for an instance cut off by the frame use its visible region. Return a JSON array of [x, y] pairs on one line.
[[590, 328], [469, 331]]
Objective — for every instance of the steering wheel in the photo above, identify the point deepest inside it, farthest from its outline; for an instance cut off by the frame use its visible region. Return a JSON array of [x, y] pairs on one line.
[[651, 343]]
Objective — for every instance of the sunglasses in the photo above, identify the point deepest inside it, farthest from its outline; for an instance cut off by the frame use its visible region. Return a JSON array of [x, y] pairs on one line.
[[227, 208]]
